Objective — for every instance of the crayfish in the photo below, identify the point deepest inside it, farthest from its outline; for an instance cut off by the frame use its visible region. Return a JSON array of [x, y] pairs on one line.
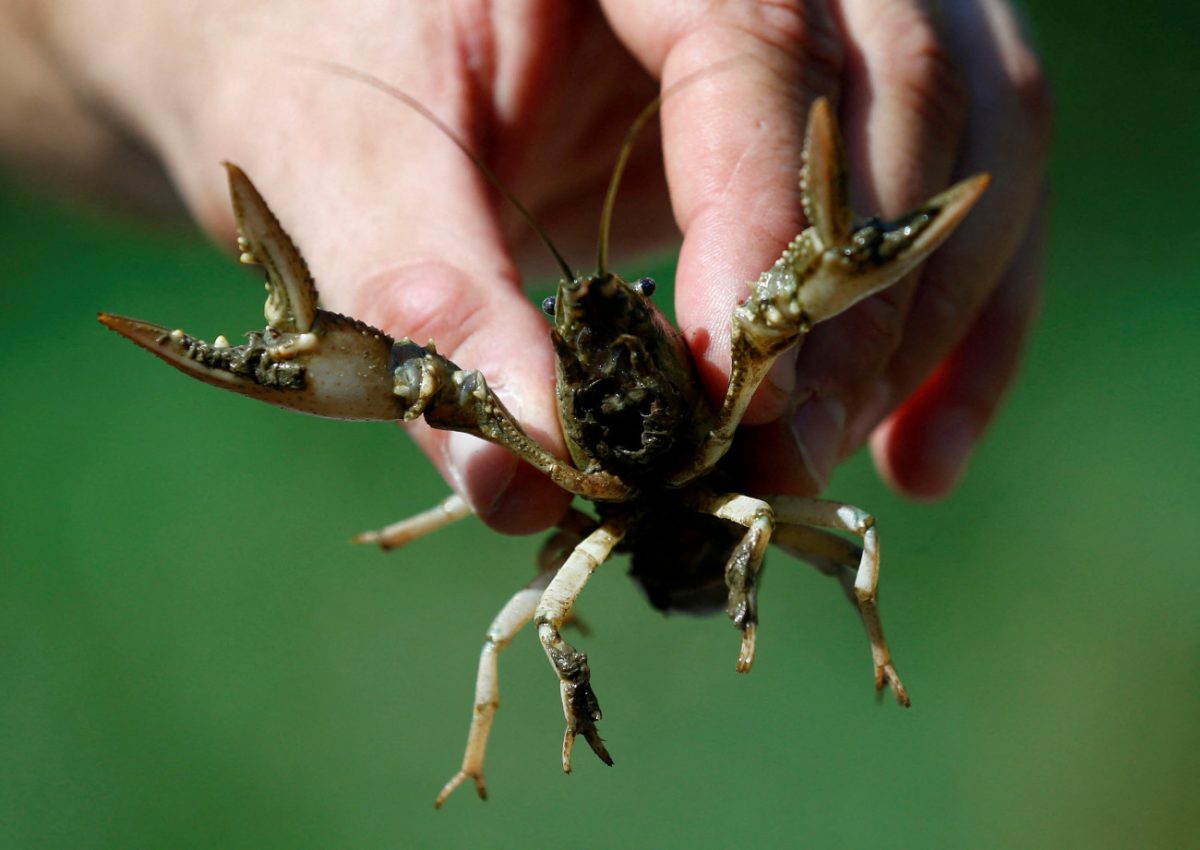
[[647, 448]]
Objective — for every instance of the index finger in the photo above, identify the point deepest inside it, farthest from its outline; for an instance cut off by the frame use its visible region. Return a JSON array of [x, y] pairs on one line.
[[732, 141]]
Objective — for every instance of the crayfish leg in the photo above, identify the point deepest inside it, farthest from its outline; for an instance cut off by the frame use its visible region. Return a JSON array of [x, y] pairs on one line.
[[580, 706], [451, 509], [744, 564], [512, 618], [836, 516]]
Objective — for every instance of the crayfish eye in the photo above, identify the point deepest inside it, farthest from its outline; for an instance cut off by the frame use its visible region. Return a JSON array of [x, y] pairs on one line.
[[646, 286], [548, 305]]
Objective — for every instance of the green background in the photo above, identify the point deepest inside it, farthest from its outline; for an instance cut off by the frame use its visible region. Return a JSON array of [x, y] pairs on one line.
[[191, 655]]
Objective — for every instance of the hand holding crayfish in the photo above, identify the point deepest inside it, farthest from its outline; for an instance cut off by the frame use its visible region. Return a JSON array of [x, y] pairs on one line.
[[401, 231]]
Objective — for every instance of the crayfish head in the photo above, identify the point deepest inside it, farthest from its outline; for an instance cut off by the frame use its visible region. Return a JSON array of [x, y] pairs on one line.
[[628, 397], [591, 311]]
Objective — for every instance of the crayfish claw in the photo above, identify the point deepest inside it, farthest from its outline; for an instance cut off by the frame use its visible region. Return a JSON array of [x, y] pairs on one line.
[[841, 263], [291, 294], [592, 736], [887, 675], [340, 369], [458, 779], [217, 363], [306, 359]]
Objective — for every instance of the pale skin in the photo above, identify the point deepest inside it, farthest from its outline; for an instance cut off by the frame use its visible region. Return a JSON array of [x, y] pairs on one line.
[[401, 232]]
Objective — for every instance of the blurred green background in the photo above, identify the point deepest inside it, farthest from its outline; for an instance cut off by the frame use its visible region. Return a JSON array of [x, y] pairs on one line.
[[192, 656]]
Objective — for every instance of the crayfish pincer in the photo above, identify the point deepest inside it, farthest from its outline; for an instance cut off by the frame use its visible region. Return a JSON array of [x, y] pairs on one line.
[[646, 446]]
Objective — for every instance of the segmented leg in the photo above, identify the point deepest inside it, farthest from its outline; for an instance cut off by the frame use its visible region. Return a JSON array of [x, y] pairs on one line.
[[830, 554], [572, 529], [835, 516], [451, 509], [511, 619], [580, 707], [428, 384], [741, 571]]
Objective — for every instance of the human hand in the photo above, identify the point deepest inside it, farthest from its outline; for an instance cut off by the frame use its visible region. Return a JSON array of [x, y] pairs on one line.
[[402, 232], [928, 93]]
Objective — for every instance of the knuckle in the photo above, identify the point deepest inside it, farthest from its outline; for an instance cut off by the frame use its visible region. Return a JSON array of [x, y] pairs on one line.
[[1026, 92], [766, 18], [801, 33], [918, 63], [426, 301]]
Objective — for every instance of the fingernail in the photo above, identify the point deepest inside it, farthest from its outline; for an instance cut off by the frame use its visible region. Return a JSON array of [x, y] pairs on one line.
[[818, 426], [949, 441]]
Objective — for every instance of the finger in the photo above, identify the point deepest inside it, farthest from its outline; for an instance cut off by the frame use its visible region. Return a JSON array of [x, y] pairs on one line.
[[732, 137], [1008, 134], [923, 449], [903, 108], [400, 231], [503, 337]]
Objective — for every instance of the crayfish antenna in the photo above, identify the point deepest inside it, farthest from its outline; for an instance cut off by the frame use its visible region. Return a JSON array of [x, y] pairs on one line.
[[614, 183], [484, 169]]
